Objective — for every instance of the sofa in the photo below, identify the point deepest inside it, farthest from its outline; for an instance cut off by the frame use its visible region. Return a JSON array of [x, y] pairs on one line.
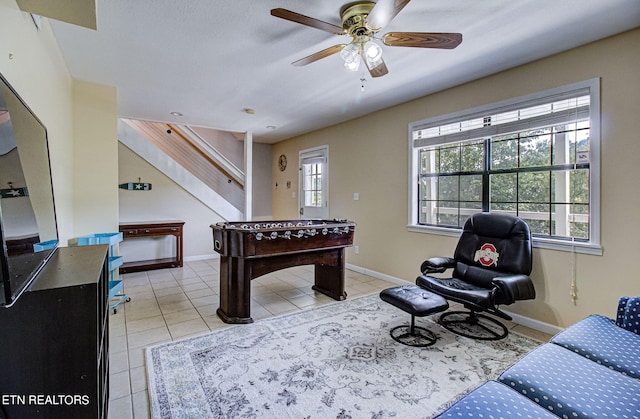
[[589, 370]]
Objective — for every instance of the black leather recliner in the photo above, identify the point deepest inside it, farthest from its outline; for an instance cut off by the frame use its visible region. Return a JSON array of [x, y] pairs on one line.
[[491, 267]]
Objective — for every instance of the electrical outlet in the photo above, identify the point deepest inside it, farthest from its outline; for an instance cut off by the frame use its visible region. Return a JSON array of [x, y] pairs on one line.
[[356, 249]]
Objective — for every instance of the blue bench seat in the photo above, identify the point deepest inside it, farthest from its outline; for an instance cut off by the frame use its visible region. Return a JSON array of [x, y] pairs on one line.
[[495, 400], [599, 339], [570, 385]]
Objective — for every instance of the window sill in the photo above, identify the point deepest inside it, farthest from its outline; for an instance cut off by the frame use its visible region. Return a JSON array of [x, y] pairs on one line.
[[542, 243]]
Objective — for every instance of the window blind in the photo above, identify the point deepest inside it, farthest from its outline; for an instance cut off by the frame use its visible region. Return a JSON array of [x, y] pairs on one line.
[[561, 109]]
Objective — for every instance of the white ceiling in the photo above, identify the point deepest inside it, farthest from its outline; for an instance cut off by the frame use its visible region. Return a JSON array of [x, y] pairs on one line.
[[210, 59]]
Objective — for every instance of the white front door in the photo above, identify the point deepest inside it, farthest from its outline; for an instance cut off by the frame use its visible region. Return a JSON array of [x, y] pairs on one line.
[[314, 183]]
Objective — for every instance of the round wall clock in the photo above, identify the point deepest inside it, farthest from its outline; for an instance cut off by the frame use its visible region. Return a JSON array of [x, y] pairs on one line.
[[282, 162]]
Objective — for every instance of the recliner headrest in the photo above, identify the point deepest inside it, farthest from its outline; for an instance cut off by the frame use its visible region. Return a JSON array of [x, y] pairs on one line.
[[495, 225], [500, 242]]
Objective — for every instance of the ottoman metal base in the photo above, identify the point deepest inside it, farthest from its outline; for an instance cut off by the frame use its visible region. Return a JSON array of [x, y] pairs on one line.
[[473, 325], [417, 302], [412, 335]]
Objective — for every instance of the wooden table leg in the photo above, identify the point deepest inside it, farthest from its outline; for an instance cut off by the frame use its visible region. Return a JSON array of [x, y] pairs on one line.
[[329, 275], [235, 291]]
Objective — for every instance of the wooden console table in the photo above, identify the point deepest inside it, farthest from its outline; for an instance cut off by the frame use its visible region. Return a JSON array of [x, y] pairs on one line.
[[153, 229]]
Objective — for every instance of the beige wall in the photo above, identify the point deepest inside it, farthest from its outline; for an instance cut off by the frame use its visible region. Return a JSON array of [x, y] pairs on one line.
[[95, 158], [262, 205], [79, 117], [369, 155]]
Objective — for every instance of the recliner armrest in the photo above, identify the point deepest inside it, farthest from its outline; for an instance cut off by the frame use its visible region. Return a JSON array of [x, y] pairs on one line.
[[437, 265], [515, 287]]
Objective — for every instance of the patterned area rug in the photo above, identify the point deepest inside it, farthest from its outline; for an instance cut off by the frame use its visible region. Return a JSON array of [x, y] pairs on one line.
[[336, 361]]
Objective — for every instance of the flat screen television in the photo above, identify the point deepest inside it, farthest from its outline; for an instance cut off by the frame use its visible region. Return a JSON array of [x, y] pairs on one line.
[[28, 227]]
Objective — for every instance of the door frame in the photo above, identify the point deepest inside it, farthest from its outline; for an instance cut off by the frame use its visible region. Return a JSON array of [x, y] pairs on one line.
[[310, 153]]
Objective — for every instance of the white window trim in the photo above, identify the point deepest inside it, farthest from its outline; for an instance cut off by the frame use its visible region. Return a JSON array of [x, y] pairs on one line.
[[593, 246]]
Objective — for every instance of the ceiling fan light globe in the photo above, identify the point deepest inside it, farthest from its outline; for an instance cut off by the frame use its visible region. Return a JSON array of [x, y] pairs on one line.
[[350, 53], [353, 65], [372, 51], [373, 61]]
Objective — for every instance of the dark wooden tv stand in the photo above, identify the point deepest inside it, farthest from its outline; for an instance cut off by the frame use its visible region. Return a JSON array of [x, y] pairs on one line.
[[54, 351], [153, 229]]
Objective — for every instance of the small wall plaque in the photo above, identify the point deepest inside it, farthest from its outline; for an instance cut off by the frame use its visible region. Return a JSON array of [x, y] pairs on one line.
[[136, 186], [14, 192]]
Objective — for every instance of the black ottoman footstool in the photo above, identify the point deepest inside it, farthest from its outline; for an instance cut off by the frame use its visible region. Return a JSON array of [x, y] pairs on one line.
[[417, 302]]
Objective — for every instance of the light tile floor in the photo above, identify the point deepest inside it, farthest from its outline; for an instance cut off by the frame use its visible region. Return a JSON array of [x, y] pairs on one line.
[[170, 304]]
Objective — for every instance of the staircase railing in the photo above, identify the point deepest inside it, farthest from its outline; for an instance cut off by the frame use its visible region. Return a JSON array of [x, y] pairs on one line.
[[212, 155], [221, 190]]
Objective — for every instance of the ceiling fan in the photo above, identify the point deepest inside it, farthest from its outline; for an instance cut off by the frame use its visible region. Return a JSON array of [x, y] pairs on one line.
[[362, 20]]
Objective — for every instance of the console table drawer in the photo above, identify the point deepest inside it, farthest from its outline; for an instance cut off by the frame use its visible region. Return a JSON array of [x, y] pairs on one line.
[[152, 231], [129, 232]]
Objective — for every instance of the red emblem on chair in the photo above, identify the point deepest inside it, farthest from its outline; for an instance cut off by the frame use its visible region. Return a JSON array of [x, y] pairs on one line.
[[487, 255]]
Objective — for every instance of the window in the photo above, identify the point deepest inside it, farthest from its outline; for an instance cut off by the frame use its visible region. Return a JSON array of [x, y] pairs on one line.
[[312, 184], [536, 157]]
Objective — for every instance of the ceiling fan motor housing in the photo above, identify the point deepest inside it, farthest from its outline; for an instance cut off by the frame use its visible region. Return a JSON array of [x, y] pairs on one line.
[[354, 17]]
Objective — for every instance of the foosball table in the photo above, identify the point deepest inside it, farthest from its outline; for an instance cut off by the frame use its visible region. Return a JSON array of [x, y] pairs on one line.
[[251, 249]]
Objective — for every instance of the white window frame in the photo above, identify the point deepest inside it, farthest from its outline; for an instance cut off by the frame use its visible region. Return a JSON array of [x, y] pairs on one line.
[[593, 85]]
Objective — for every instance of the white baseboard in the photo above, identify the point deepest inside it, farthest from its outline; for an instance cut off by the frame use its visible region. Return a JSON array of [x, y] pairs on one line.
[[378, 275], [535, 324], [517, 318]]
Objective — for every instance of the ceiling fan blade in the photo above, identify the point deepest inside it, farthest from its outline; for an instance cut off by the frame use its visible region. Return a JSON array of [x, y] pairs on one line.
[[383, 12], [319, 55], [422, 39], [308, 21], [379, 70]]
